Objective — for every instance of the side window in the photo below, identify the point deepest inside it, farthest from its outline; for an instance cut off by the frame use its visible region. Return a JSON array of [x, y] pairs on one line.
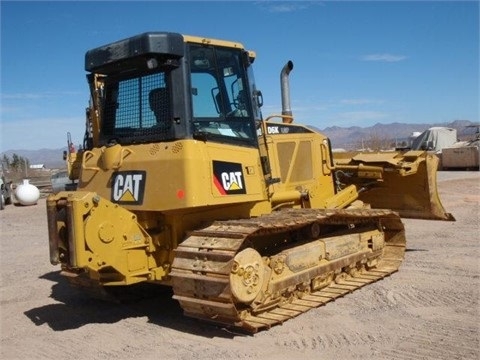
[[138, 103], [137, 109], [237, 97], [208, 102], [203, 95]]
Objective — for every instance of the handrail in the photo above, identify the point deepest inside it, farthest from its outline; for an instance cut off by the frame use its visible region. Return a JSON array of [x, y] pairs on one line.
[[120, 162], [324, 153], [286, 119], [84, 161]]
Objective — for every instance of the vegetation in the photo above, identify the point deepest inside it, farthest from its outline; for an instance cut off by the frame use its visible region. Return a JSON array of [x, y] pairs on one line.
[[375, 142], [16, 163], [15, 167]]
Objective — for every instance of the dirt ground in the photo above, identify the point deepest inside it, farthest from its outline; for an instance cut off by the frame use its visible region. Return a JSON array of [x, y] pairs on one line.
[[427, 310]]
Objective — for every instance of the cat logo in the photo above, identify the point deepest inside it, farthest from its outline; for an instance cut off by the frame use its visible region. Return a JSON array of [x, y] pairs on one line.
[[128, 187], [228, 178]]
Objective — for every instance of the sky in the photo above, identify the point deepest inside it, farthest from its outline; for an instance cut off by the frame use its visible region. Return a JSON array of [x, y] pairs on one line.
[[356, 63]]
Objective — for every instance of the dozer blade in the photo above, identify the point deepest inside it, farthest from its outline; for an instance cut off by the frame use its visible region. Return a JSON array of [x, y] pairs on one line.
[[403, 182]]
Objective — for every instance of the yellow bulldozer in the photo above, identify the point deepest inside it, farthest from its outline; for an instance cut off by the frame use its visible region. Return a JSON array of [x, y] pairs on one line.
[[251, 221]]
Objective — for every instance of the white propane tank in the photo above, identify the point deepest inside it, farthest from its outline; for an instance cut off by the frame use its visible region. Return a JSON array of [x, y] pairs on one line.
[[27, 194]]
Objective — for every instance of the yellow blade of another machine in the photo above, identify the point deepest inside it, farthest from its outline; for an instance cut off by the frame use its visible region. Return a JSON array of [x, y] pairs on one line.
[[404, 182]]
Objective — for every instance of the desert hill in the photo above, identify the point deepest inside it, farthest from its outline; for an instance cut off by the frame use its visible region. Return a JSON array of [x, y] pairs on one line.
[[349, 138]]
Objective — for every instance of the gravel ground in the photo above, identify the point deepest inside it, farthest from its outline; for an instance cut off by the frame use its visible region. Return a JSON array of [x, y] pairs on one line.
[[428, 310]]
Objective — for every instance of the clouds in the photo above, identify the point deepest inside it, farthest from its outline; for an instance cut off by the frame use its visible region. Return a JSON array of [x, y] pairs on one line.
[[33, 120], [24, 96], [37, 133], [361, 111], [288, 7], [360, 117], [360, 101], [355, 61], [38, 96], [385, 57]]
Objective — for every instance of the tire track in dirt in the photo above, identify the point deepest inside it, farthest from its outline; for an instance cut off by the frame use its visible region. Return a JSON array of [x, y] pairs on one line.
[[450, 338], [332, 339], [461, 273], [438, 343], [419, 297], [429, 310]]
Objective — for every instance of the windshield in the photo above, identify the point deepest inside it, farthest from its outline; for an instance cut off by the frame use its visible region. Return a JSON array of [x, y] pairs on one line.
[[136, 109], [221, 104]]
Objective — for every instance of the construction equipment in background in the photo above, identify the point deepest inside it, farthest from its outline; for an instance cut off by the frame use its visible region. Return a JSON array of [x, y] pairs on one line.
[[463, 155], [68, 180], [6, 191], [182, 182], [435, 139], [453, 154]]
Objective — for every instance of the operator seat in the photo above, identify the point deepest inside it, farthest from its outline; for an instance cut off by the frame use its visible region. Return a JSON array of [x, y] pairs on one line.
[[160, 105]]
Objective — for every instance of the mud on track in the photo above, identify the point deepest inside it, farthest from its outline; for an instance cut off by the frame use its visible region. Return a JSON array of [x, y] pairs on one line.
[[427, 310]]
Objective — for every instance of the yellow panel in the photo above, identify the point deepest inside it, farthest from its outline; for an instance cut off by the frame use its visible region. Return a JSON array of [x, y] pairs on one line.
[[285, 157], [302, 167], [178, 175], [210, 41]]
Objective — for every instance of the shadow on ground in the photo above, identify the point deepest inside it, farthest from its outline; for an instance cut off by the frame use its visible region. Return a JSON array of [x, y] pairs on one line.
[[75, 308]]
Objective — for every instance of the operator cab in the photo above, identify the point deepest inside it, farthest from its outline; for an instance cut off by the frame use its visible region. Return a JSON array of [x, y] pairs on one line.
[[158, 87]]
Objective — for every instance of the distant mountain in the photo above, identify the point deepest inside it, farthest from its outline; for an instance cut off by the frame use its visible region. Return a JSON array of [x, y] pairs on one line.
[[348, 138], [51, 158], [351, 137]]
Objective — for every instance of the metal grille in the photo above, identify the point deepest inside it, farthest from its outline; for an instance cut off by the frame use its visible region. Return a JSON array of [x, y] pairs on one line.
[[137, 108]]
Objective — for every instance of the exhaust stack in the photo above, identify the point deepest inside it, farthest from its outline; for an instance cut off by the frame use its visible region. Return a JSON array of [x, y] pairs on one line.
[[285, 89]]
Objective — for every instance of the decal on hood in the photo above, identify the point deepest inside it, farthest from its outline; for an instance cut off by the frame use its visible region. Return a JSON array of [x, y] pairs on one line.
[[228, 178], [128, 187]]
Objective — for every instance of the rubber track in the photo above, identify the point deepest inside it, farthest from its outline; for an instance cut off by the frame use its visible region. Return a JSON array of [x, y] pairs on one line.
[[201, 269]]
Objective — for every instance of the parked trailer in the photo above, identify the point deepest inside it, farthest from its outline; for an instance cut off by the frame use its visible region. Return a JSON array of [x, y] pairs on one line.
[[461, 158]]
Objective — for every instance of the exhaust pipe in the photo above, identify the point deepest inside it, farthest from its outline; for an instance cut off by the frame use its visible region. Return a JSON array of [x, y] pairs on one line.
[[285, 89]]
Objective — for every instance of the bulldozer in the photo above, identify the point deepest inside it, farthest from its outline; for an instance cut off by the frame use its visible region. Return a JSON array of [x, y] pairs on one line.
[[182, 182]]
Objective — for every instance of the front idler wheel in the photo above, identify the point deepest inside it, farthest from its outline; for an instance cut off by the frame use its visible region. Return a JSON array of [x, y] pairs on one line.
[[247, 275]]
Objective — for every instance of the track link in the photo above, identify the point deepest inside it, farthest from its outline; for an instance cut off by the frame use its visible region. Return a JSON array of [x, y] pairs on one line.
[[201, 271]]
